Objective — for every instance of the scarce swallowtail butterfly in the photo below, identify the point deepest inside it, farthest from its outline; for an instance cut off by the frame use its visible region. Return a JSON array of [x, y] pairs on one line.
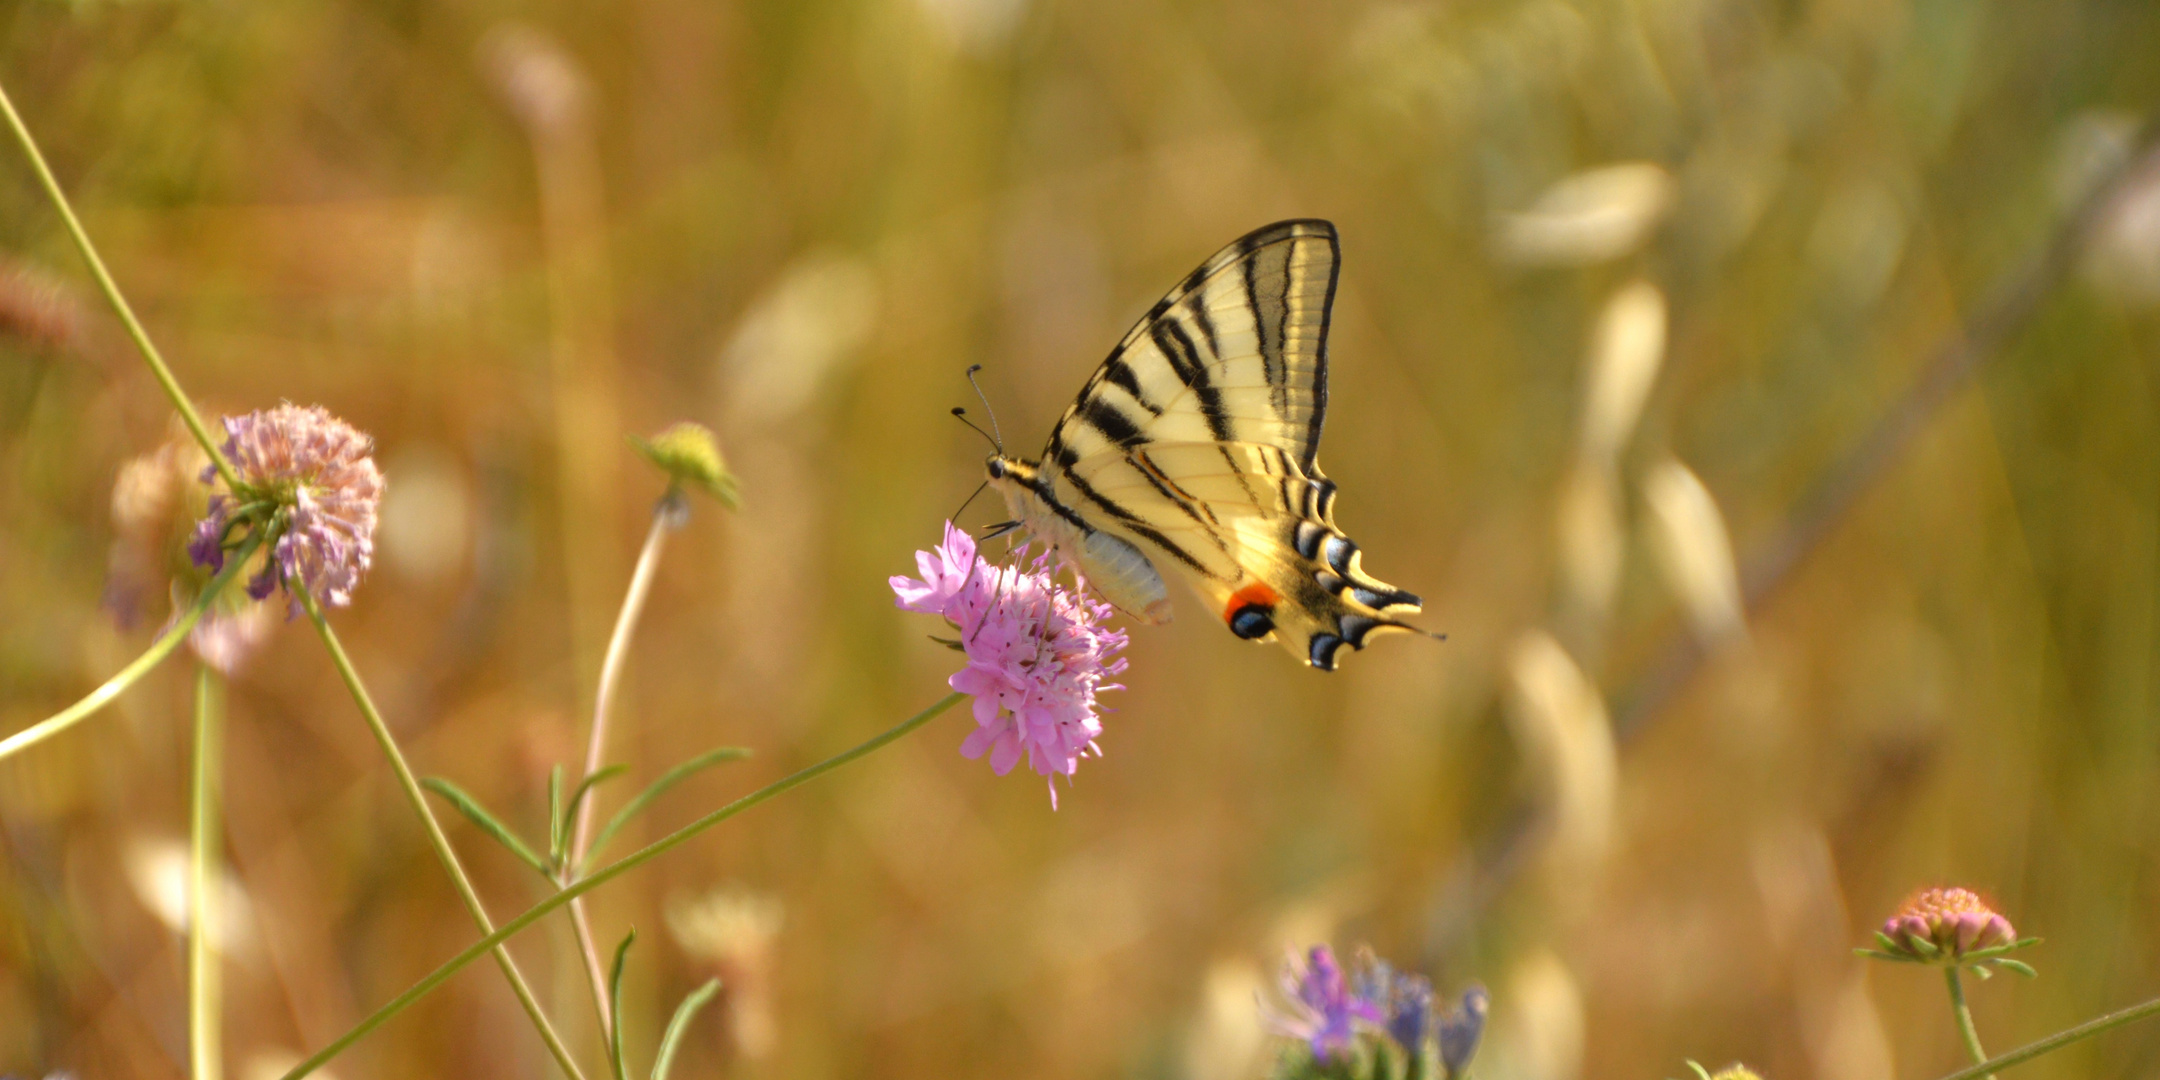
[[1195, 446]]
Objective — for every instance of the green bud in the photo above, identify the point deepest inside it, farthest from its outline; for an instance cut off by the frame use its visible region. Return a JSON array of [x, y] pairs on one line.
[[690, 456]]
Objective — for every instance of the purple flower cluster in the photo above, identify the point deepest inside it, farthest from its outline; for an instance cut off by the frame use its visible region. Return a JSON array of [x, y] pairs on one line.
[[1037, 654], [1322, 1009], [312, 479], [1328, 1011]]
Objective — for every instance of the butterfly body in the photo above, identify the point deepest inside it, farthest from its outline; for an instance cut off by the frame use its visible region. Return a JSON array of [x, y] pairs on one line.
[[1194, 446]]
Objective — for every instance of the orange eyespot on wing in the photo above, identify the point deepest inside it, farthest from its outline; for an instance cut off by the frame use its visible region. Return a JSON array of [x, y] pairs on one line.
[[1251, 611]]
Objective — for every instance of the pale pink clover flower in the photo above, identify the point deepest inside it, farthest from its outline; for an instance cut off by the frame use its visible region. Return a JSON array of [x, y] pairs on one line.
[[314, 478]]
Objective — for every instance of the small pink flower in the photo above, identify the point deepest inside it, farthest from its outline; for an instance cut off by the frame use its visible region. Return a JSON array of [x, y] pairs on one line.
[[1037, 654], [1944, 925]]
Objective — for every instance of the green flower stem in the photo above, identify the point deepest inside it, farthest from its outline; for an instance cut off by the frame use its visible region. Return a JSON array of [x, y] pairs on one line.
[[665, 515], [1971, 1035], [435, 834], [133, 673], [206, 1058], [2060, 1039], [609, 873], [112, 294]]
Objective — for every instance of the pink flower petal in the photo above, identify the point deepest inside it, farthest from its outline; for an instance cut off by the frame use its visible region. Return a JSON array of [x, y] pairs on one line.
[[1037, 654]]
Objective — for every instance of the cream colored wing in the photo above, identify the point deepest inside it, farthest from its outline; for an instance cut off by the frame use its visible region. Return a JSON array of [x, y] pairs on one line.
[[1198, 442], [1254, 532], [1236, 353]]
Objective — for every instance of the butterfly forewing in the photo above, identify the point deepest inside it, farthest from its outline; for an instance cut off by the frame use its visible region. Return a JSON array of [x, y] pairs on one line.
[[1236, 353], [1197, 441]]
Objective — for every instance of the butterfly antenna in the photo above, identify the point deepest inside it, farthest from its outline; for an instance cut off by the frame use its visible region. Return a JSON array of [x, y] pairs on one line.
[[971, 498], [961, 415], [999, 439]]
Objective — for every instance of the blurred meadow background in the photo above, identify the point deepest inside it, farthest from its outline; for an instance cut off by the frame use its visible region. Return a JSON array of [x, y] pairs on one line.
[[1625, 285]]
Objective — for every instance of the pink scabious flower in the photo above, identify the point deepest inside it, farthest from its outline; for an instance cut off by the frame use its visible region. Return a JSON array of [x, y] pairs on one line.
[[1322, 1010], [311, 479], [1945, 926], [1037, 654]]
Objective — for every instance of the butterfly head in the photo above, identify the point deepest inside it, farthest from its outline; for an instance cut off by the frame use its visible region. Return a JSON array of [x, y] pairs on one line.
[[1015, 481], [1004, 471]]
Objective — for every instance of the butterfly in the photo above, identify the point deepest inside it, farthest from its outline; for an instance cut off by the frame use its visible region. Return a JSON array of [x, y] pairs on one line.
[[1195, 446]]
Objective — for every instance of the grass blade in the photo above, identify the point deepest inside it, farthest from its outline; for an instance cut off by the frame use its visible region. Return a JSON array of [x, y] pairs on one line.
[[585, 787], [478, 814], [667, 780], [555, 817], [615, 1054], [679, 1026]]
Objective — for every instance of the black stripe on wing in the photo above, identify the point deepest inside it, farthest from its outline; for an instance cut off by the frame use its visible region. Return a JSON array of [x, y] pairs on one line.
[[1128, 521], [1185, 359], [1187, 336]]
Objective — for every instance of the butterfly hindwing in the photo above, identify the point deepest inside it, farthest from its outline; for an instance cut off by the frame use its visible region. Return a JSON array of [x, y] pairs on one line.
[[1195, 446], [1262, 531]]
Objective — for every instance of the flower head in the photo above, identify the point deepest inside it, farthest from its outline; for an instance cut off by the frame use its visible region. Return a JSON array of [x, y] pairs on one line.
[[731, 932], [1037, 654], [310, 479], [155, 504], [1322, 1009], [1410, 1011], [1945, 926], [1461, 1029]]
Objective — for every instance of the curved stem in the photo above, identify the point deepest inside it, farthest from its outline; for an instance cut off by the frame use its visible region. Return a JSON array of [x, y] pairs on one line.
[[609, 873], [666, 514], [1966, 1031], [133, 673], [111, 290], [434, 829], [205, 1050], [2060, 1039]]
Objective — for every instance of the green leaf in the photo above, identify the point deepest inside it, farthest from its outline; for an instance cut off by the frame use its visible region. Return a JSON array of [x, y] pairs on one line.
[[622, 956], [1982, 971], [1998, 950], [679, 1026], [471, 808], [2019, 966], [585, 787], [1878, 954], [1699, 1070], [555, 820], [667, 780], [950, 643], [1889, 944]]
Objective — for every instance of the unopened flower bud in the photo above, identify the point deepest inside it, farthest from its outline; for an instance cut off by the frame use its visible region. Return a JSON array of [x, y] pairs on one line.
[[690, 455]]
